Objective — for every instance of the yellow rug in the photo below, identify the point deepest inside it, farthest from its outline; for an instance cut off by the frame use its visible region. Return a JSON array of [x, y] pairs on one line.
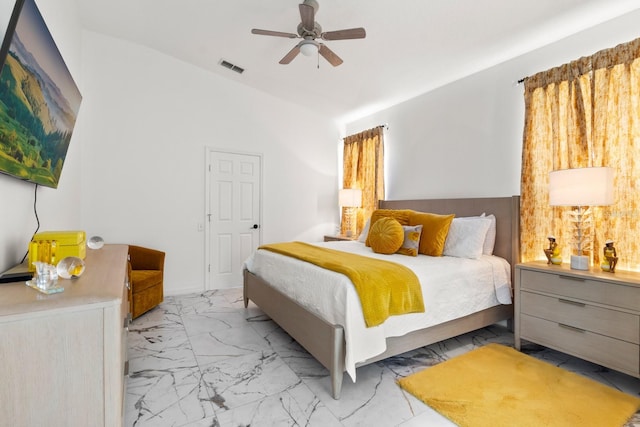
[[498, 386]]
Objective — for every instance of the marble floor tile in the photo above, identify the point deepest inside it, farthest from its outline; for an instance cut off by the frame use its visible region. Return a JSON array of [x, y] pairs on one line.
[[167, 398], [294, 355], [296, 406], [213, 321], [152, 353], [202, 302], [217, 346], [236, 381], [374, 400], [203, 360]]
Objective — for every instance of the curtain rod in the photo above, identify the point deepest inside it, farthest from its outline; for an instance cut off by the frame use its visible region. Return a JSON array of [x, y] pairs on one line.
[[519, 82], [384, 126]]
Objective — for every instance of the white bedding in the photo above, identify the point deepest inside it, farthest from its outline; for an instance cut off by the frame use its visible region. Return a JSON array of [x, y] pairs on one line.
[[451, 288]]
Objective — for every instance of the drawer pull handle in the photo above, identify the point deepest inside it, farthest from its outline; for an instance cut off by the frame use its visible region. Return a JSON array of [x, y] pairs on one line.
[[573, 328], [575, 279], [576, 303]]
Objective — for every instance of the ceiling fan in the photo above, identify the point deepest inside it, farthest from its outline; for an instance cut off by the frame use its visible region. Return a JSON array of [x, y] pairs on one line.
[[309, 30]]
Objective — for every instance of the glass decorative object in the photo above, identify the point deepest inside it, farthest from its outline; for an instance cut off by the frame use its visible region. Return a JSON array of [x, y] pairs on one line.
[[70, 267], [45, 279], [95, 242]]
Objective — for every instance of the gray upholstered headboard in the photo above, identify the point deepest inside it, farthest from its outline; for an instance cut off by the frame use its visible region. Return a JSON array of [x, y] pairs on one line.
[[506, 210]]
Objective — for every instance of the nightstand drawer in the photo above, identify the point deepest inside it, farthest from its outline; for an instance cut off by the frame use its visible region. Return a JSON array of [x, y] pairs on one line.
[[616, 354], [582, 288], [613, 323]]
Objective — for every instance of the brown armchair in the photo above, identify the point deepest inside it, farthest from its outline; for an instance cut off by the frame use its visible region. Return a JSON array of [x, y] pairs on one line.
[[146, 271]]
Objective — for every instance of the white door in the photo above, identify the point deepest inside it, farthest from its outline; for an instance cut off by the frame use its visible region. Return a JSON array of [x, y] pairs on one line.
[[233, 212]]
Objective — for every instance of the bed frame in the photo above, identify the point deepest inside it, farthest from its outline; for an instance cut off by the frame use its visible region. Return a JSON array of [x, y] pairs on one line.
[[326, 342]]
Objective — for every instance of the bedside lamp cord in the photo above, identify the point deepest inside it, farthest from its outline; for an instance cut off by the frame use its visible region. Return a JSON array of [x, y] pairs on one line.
[[35, 212]]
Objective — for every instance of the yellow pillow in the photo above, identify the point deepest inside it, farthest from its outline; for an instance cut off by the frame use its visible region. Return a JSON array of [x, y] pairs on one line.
[[434, 231], [386, 236], [411, 241], [400, 215]]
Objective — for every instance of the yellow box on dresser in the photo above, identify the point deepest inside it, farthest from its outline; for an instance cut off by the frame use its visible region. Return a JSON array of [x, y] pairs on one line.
[[591, 314], [68, 243]]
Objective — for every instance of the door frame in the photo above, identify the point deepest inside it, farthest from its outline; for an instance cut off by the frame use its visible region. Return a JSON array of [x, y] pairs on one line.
[[208, 285]]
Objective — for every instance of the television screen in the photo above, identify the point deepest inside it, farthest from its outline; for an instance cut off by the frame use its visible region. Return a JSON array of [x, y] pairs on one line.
[[39, 101]]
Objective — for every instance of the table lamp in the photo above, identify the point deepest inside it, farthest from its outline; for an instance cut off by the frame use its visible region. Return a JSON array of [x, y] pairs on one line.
[[581, 188], [349, 198]]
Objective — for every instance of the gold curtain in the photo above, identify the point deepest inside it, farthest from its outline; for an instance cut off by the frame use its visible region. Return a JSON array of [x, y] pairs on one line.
[[583, 114], [363, 168]]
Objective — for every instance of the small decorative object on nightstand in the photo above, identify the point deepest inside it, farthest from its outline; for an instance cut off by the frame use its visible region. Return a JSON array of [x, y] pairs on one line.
[[610, 257], [553, 252], [338, 238]]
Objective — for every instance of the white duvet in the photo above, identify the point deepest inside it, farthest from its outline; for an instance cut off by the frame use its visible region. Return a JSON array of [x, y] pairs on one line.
[[451, 288]]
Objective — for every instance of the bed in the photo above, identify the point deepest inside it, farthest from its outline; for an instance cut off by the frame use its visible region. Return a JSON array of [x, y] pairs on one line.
[[327, 340]]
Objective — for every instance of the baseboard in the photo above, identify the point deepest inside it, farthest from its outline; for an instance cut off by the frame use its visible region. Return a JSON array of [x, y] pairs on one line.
[[182, 291], [192, 290]]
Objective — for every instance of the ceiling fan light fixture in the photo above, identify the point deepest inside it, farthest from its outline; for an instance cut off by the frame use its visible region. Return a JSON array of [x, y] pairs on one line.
[[308, 48]]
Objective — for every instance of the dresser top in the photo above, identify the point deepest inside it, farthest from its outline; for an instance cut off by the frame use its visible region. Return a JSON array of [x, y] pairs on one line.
[[631, 278], [101, 283]]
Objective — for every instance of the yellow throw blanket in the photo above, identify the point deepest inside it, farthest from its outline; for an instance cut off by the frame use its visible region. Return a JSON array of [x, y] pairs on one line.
[[384, 287]]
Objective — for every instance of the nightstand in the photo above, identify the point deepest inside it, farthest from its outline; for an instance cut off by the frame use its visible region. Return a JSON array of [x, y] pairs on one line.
[[339, 238], [589, 314]]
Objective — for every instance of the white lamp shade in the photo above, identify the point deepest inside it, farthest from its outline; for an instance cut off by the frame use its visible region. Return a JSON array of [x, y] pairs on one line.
[[350, 197], [581, 187], [308, 48]]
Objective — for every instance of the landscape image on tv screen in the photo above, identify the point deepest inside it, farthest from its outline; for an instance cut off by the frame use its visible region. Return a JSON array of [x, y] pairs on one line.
[[39, 101]]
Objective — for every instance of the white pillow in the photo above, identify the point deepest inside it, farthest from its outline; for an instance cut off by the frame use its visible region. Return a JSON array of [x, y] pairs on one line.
[[490, 240], [365, 232], [466, 237]]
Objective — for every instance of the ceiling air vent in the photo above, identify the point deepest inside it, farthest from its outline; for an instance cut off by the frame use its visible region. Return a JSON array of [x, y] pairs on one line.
[[232, 67]]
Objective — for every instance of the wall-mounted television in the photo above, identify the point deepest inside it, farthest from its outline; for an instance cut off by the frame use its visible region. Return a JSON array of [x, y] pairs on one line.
[[39, 101]]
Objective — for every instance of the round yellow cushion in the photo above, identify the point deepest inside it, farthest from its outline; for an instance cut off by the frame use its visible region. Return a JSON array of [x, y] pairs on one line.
[[386, 236]]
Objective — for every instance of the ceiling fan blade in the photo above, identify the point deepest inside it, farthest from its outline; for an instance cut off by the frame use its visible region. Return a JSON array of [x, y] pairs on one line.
[[351, 33], [273, 33], [289, 56], [307, 15], [329, 55]]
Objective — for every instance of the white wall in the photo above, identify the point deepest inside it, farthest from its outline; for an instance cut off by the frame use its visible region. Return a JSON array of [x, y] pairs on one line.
[[465, 139], [59, 208], [148, 120]]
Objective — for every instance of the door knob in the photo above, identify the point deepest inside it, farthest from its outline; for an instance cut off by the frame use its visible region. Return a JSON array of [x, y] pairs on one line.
[[255, 226]]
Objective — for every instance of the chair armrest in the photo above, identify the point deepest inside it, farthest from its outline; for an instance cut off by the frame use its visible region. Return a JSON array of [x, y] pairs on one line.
[[145, 258]]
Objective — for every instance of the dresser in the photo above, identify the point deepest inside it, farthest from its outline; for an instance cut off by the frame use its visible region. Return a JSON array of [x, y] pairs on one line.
[[63, 356], [592, 314]]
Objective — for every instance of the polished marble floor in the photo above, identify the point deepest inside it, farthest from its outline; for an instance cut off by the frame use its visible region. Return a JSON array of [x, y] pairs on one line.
[[205, 360]]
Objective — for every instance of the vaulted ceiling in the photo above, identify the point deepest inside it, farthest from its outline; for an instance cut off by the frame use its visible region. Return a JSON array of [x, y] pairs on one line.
[[411, 46]]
